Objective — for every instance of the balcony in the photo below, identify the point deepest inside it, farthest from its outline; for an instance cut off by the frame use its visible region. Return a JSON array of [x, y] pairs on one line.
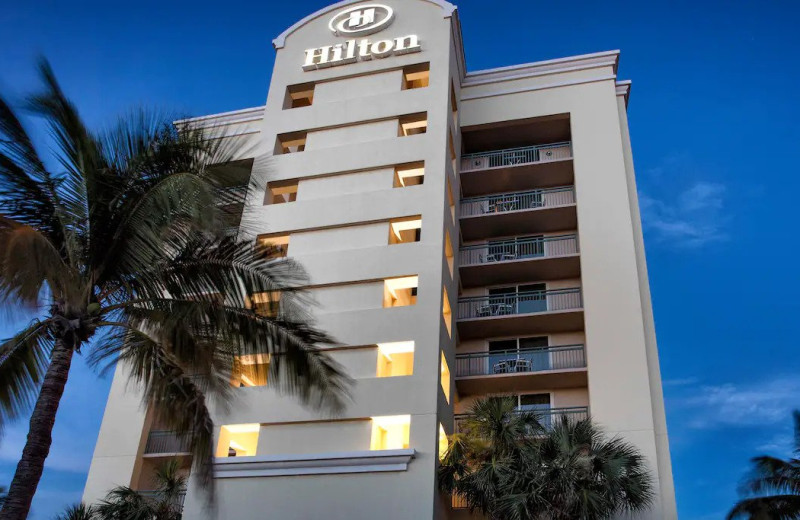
[[547, 416], [517, 168], [521, 370], [530, 312], [163, 443], [540, 258], [518, 213]]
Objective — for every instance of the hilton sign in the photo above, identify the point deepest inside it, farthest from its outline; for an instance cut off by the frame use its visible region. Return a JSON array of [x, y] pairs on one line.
[[360, 21]]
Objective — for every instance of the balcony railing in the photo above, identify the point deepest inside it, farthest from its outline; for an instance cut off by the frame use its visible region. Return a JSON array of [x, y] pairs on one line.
[[521, 361], [547, 417], [519, 303], [158, 496], [517, 201], [518, 249], [516, 156], [162, 441]]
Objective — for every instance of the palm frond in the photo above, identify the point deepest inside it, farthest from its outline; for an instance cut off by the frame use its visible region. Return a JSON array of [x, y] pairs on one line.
[[78, 512], [23, 363], [775, 507]]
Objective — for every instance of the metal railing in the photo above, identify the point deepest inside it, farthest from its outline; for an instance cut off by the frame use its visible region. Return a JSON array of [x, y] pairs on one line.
[[519, 303], [518, 249], [547, 417], [158, 496], [516, 156], [163, 441], [517, 201], [519, 361]]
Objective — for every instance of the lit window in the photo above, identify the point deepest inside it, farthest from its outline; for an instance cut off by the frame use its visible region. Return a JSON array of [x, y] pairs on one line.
[[450, 201], [446, 313], [448, 252], [405, 230], [267, 303], [238, 440], [416, 76], [395, 359], [413, 125], [282, 192], [298, 96], [291, 143], [445, 378], [250, 370], [273, 246], [390, 432], [400, 292], [409, 175], [442, 442]]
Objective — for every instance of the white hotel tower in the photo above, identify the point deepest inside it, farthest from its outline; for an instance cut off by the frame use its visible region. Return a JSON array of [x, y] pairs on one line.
[[466, 233]]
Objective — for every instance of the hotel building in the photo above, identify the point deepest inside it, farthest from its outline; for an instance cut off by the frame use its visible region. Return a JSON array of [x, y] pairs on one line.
[[466, 233]]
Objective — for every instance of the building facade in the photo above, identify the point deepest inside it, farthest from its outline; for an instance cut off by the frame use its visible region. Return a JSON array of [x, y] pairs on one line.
[[465, 233]]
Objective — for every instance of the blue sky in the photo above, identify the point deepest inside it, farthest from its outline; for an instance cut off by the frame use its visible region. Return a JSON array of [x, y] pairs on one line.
[[713, 116]]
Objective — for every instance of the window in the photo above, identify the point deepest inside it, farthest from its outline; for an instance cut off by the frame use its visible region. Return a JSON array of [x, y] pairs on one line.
[[409, 175], [445, 380], [453, 154], [273, 246], [291, 143], [400, 292], [390, 432], [395, 359], [413, 125], [250, 370], [282, 192], [443, 444], [238, 440], [267, 303], [416, 76], [298, 96], [405, 230], [450, 201], [448, 252], [528, 298], [454, 104], [446, 313]]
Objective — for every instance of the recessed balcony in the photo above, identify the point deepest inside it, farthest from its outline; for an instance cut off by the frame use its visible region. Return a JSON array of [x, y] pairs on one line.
[[528, 312], [547, 417], [517, 168], [164, 443], [517, 213], [521, 370], [506, 261]]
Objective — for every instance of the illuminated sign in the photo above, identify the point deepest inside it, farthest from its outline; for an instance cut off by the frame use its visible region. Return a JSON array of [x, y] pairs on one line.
[[360, 21]]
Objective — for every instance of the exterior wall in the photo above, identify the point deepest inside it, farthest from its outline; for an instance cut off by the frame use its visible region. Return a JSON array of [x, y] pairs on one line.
[[339, 231]]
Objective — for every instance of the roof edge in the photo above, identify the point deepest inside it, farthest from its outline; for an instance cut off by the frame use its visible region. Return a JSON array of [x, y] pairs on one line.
[[596, 59], [623, 89], [280, 41]]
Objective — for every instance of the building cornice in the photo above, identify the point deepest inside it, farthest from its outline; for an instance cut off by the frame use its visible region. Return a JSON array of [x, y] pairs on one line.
[[245, 115], [624, 90], [540, 68], [280, 41], [545, 86], [313, 464]]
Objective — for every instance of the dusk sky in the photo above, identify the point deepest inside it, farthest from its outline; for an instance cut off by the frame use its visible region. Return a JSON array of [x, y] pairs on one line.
[[714, 114]]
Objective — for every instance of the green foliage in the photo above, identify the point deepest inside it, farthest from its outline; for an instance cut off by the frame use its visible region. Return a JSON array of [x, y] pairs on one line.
[[772, 489], [505, 464], [78, 512], [126, 249]]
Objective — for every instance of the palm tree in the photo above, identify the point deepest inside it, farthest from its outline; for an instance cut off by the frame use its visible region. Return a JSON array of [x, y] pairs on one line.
[[165, 502], [772, 490], [123, 250], [79, 512], [2, 496], [505, 464]]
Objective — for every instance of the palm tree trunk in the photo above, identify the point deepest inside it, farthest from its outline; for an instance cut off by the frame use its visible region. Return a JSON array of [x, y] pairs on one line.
[[37, 447]]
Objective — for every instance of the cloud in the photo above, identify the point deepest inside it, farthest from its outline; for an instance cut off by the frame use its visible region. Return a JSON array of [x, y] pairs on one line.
[[692, 217], [685, 381], [755, 404]]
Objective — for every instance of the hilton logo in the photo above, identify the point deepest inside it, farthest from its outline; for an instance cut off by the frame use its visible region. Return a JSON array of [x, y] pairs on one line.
[[360, 21]]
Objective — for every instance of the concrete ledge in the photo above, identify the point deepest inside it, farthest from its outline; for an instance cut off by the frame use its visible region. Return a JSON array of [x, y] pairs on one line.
[[313, 464]]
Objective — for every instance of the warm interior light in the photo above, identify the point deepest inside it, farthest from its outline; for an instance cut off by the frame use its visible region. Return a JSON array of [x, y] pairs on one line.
[[243, 428], [414, 127], [390, 432], [395, 284], [442, 442], [240, 440], [405, 225], [395, 359], [445, 379]]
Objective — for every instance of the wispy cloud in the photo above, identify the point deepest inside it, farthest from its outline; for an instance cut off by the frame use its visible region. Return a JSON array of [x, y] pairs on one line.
[[693, 217], [754, 404], [680, 206]]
